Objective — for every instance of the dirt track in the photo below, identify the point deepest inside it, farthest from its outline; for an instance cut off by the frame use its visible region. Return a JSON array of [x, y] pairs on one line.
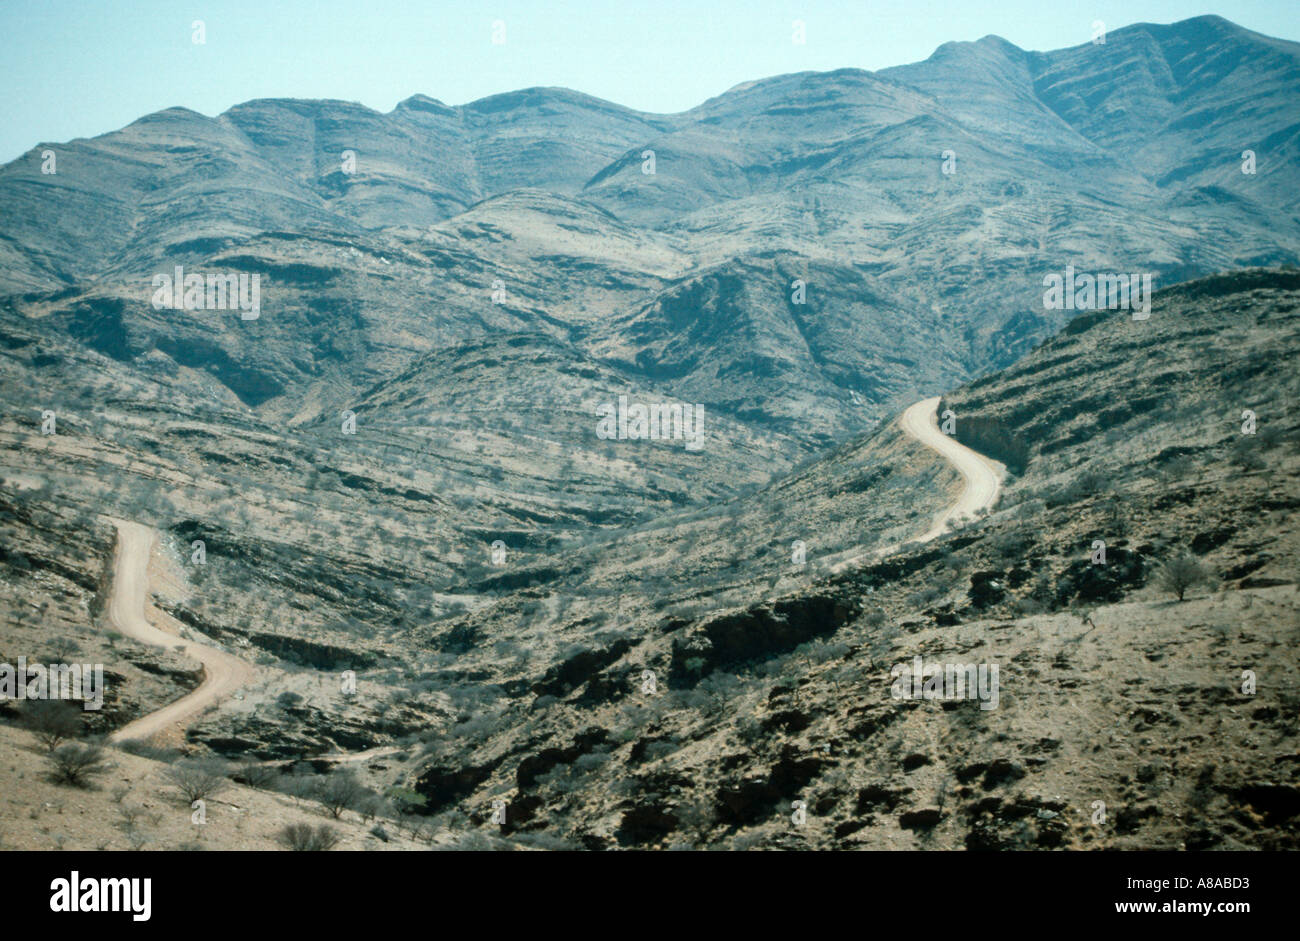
[[222, 673], [981, 477]]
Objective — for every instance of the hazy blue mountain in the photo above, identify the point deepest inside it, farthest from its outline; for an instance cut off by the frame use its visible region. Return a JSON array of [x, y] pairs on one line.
[[1122, 156]]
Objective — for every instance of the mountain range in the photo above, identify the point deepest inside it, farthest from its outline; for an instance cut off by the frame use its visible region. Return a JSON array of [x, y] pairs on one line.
[[396, 472], [1122, 156]]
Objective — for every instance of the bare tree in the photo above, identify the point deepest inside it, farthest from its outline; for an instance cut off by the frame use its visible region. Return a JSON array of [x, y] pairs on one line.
[[303, 837], [198, 779], [256, 774], [1180, 573], [300, 783], [340, 790], [52, 721], [63, 649], [77, 763]]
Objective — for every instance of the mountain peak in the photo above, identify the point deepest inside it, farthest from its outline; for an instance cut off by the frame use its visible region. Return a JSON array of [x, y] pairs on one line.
[[540, 96], [988, 48], [424, 103], [1197, 31]]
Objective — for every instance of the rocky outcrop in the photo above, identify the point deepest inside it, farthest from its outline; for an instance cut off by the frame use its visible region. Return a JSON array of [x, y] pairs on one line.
[[757, 633]]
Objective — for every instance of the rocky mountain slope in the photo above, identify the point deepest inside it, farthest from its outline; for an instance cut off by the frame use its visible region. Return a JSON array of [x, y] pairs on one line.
[[527, 681], [1121, 156], [396, 470], [1112, 691]]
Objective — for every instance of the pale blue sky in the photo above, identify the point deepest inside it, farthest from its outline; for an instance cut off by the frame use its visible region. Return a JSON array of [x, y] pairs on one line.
[[77, 68]]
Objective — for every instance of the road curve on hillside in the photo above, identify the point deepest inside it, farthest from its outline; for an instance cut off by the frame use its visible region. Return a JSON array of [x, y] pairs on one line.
[[981, 476], [222, 673]]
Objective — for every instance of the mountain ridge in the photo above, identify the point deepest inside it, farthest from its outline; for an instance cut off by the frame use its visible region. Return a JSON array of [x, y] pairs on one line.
[[403, 470]]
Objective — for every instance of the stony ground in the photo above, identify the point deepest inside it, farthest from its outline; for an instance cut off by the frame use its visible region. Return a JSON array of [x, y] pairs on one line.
[[132, 807], [527, 682]]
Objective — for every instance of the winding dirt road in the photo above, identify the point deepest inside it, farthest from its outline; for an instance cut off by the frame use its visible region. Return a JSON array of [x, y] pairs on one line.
[[981, 477], [222, 673]]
